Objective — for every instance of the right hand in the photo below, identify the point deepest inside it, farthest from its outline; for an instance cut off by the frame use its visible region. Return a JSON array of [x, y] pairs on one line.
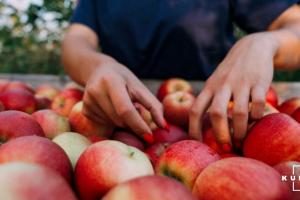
[[109, 95]]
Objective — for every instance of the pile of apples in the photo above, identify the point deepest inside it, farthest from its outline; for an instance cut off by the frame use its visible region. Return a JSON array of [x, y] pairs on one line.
[[50, 150]]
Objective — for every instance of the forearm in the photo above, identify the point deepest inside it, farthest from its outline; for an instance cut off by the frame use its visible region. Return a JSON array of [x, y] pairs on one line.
[[80, 57], [286, 31]]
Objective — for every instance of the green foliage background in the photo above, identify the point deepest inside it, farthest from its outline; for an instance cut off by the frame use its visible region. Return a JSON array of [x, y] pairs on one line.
[[27, 45], [22, 48]]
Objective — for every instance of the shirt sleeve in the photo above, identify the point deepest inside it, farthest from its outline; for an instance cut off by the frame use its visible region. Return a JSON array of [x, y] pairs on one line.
[[85, 13], [257, 15]]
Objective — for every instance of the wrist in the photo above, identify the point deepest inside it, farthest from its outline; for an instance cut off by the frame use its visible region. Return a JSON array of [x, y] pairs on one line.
[[265, 41], [98, 60]]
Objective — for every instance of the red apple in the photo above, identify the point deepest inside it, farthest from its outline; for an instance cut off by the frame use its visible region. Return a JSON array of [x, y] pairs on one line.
[[273, 139], [95, 138], [174, 134], [210, 140], [43, 103], [105, 164], [129, 138], [15, 124], [173, 85], [51, 122], [240, 178], [185, 160], [47, 91], [18, 99], [150, 188], [272, 97], [73, 85], [27, 181], [228, 155], [3, 84], [177, 107], [296, 115], [73, 144], [146, 116], [288, 170], [155, 151], [2, 108], [18, 85], [39, 150], [83, 125], [65, 100], [289, 106]]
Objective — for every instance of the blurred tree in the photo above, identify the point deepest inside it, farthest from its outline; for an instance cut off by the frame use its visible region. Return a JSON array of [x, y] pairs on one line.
[[30, 37]]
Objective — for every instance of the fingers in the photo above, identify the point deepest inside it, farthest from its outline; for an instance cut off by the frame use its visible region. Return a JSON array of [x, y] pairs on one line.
[[219, 120], [240, 114], [101, 100], [89, 113], [93, 111], [258, 96], [150, 102], [126, 111], [197, 111]]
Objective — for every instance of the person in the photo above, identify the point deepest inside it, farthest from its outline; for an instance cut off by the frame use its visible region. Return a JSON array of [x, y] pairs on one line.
[[192, 39]]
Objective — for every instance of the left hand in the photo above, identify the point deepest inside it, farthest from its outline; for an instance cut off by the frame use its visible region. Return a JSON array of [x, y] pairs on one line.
[[245, 73]]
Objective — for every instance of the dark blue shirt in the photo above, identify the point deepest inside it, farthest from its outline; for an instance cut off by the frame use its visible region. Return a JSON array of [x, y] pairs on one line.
[[167, 38]]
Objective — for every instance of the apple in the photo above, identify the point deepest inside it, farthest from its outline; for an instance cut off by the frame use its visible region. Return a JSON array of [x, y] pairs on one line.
[[73, 85], [27, 181], [240, 178], [150, 188], [42, 102], [273, 139], [296, 115], [288, 170], [51, 122], [177, 107], [47, 91], [228, 155], [65, 100], [185, 160], [174, 134], [210, 140], [95, 138], [173, 85], [289, 106], [15, 124], [155, 150], [18, 85], [3, 84], [272, 97], [18, 99], [146, 116], [105, 164], [2, 108], [128, 138], [39, 150], [83, 125], [73, 144]]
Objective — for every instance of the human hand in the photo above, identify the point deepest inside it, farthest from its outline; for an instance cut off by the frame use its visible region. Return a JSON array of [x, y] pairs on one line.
[[109, 96], [245, 73]]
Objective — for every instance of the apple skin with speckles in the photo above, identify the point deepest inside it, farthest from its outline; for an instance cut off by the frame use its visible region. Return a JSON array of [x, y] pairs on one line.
[[240, 178], [105, 164], [273, 139], [184, 161]]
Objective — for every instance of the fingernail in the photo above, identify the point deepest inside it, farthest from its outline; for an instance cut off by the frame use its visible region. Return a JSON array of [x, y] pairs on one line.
[[148, 137], [166, 125], [227, 147]]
